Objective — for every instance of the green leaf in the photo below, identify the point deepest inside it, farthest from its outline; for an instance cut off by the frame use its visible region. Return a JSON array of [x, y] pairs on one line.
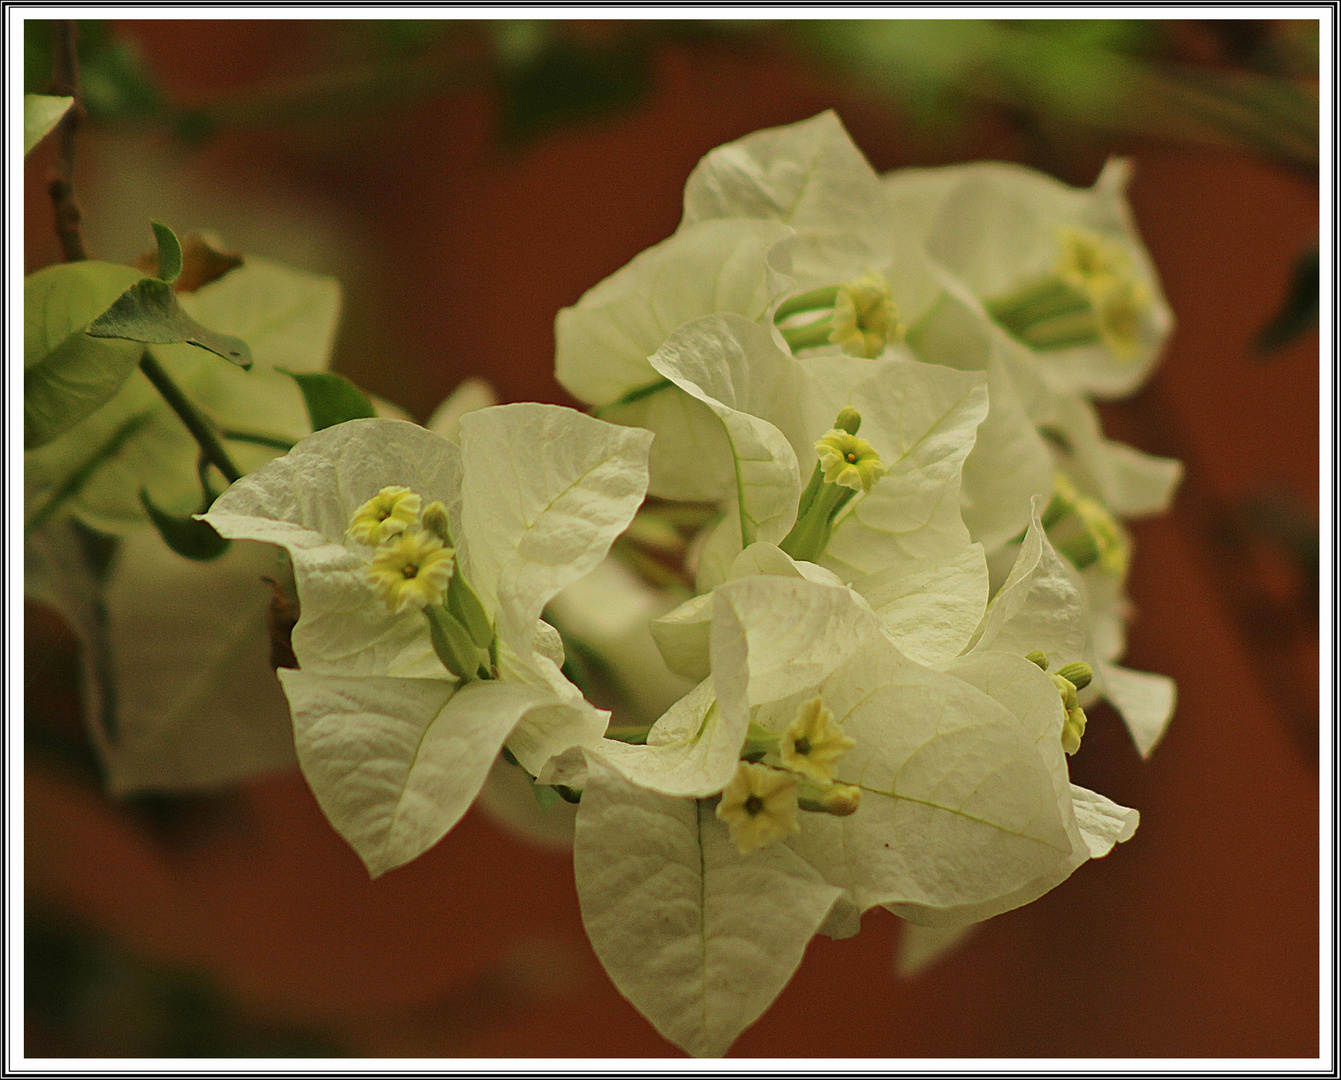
[[331, 399], [67, 375], [169, 253], [187, 536], [1299, 312], [41, 113], [148, 311]]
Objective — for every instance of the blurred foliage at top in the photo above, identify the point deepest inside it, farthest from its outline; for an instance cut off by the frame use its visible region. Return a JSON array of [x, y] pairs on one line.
[[1251, 83], [1064, 90]]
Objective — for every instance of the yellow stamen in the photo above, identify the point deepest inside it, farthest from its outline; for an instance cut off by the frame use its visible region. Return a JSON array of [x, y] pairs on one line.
[[412, 571], [813, 742], [864, 317], [759, 806], [388, 513], [849, 461]]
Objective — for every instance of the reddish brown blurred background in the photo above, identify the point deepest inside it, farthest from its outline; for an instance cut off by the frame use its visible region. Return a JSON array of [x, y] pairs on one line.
[[456, 248]]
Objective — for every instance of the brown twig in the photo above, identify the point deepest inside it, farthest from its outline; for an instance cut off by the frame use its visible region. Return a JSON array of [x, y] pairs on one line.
[[65, 83]]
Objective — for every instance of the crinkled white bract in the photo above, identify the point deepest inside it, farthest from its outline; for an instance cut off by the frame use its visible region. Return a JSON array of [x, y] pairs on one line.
[[394, 749], [966, 809], [995, 226]]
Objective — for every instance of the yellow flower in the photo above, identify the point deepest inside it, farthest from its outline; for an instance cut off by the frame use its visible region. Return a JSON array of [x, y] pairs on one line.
[[1109, 538], [864, 317], [1086, 257], [412, 570], [1121, 304], [390, 512], [758, 806], [848, 461], [813, 742]]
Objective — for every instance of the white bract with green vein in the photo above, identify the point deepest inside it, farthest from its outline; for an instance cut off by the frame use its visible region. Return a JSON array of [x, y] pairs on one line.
[[395, 745]]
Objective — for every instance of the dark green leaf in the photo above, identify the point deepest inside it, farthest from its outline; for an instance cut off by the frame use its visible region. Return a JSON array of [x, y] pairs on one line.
[[169, 253], [549, 80], [1299, 312], [331, 399], [148, 311], [185, 535]]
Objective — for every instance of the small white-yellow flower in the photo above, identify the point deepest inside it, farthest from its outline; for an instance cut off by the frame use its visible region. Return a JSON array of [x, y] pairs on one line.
[[1121, 304], [849, 461], [864, 317], [759, 806], [813, 742], [388, 513], [1086, 258], [412, 570]]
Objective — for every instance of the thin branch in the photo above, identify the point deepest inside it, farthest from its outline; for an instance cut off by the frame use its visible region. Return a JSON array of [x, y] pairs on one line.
[[65, 83], [189, 415]]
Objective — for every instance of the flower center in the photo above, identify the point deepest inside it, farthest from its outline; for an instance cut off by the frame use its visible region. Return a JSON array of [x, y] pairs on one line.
[[859, 317]]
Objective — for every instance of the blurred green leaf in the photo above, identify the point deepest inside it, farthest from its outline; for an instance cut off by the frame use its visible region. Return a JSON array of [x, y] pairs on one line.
[[149, 312], [331, 399], [115, 83], [169, 253], [185, 535], [548, 79], [1099, 74], [41, 113], [1299, 312], [67, 375]]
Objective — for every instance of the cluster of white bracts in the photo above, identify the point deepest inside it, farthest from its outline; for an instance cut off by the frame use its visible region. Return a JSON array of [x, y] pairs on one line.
[[871, 722]]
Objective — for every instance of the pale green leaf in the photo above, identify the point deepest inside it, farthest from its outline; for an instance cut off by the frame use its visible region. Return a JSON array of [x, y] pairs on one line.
[[148, 312], [395, 763], [698, 937], [66, 374], [287, 316], [605, 339], [41, 113], [331, 399], [196, 705], [169, 253]]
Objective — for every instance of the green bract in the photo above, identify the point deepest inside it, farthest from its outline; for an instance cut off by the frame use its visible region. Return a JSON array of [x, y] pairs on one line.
[[395, 748]]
